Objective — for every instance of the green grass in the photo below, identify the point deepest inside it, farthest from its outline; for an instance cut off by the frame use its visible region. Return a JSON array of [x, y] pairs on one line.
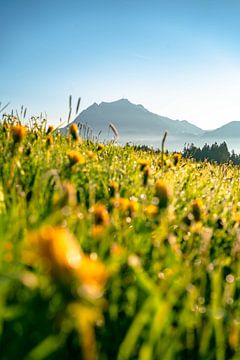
[[160, 282]]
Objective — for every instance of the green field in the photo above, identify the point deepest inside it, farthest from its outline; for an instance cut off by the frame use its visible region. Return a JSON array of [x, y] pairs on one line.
[[112, 252]]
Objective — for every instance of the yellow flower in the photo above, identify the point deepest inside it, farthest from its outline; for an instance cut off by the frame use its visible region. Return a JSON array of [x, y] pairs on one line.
[[73, 130], [127, 206], [132, 207], [117, 250], [151, 210], [143, 163], [56, 248], [163, 193], [18, 133], [75, 157], [92, 155], [101, 216], [100, 147], [98, 230], [60, 254], [237, 218], [120, 203], [93, 275]]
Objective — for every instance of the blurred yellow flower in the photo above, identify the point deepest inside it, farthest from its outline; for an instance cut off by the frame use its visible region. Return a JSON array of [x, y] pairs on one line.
[[60, 254], [163, 192], [98, 230], [56, 248], [92, 155], [93, 275], [75, 157], [18, 133], [143, 163], [120, 203], [100, 146], [100, 213], [117, 250], [73, 130], [151, 210]]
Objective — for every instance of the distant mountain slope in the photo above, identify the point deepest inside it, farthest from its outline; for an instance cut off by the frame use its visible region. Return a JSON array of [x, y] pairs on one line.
[[133, 119], [230, 130]]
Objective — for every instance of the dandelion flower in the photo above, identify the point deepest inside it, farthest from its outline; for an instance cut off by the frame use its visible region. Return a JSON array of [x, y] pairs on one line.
[[73, 130], [100, 213], [151, 210], [56, 248], [75, 157], [18, 133], [143, 163], [100, 147]]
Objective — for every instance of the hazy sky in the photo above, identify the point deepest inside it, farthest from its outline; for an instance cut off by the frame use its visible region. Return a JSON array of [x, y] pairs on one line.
[[179, 58]]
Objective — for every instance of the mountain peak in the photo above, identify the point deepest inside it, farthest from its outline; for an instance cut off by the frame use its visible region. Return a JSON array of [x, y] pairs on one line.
[[132, 119], [122, 101]]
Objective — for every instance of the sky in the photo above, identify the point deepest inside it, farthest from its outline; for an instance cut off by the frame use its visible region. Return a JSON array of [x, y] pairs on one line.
[[178, 58]]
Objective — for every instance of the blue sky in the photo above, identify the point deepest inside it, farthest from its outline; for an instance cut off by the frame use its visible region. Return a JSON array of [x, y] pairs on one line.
[[178, 58]]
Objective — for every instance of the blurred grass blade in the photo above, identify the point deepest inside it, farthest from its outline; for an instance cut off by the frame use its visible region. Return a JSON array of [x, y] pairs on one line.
[[78, 105], [45, 348], [1, 110], [139, 322]]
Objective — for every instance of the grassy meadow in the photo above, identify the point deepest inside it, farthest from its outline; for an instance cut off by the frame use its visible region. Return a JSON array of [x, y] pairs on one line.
[[110, 252]]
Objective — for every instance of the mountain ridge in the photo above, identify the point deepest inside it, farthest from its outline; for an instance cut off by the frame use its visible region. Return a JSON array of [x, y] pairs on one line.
[[129, 117], [134, 119]]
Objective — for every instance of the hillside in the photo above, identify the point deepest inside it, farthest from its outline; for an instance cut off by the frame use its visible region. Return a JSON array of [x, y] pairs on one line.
[[229, 130]]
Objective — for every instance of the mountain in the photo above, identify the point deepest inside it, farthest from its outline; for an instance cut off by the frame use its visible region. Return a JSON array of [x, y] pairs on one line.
[[229, 130], [133, 121]]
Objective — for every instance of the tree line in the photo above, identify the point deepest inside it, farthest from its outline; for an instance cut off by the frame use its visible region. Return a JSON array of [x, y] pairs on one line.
[[214, 152]]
